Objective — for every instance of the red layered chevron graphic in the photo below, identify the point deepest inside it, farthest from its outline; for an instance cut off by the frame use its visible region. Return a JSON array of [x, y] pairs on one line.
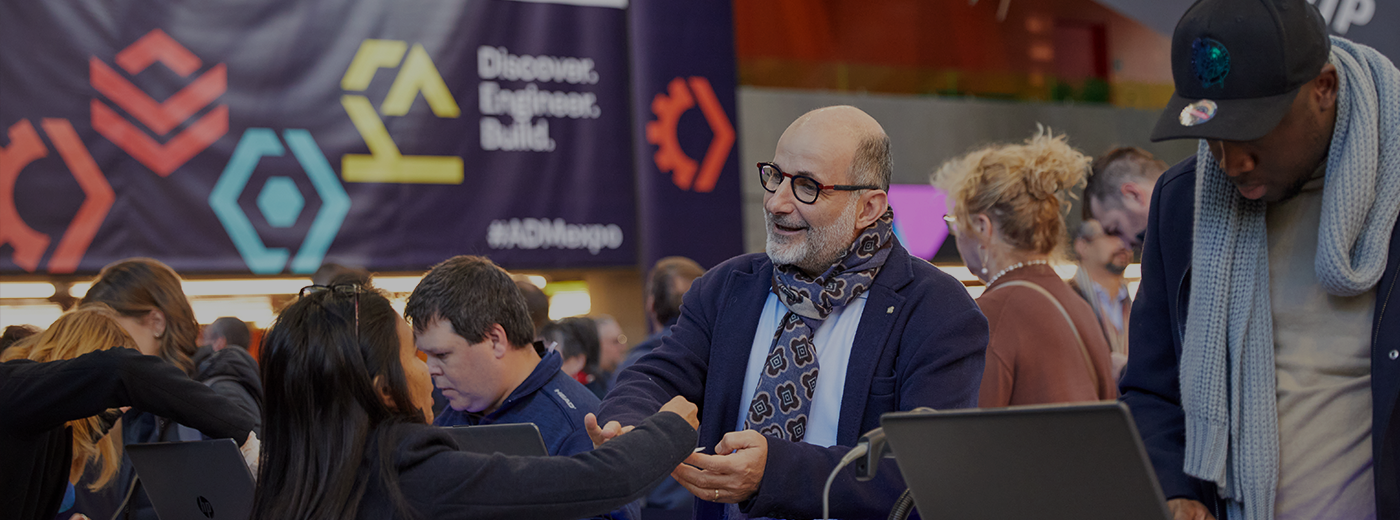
[[160, 158], [158, 46], [159, 117]]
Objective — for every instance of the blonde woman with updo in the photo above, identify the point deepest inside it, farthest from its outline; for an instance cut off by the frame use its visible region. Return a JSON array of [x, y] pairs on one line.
[[54, 385], [1008, 205]]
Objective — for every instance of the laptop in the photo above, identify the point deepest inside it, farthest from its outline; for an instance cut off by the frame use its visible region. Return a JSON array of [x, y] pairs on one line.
[[508, 439], [196, 480], [1081, 462]]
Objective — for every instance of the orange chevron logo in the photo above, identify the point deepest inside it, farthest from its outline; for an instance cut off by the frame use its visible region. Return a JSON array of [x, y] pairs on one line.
[[686, 174], [160, 117], [29, 245]]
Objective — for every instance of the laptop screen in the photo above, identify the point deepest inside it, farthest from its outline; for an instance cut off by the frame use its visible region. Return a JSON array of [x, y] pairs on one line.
[[509, 439], [1064, 461], [194, 480]]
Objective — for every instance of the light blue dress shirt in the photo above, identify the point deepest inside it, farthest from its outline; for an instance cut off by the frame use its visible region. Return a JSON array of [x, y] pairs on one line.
[[833, 341]]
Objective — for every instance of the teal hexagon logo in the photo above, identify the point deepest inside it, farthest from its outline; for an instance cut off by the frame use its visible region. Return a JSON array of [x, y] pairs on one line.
[[279, 201]]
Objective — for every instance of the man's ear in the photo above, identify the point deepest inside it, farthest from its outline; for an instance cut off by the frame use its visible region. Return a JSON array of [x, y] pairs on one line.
[[873, 204], [1324, 93], [383, 389], [1133, 192], [497, 340]]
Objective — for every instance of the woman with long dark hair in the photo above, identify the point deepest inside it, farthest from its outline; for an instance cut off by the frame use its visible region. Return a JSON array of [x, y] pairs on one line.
[[346, 434]]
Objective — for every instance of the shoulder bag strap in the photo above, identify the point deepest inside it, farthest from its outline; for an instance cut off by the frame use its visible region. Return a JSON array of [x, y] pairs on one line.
[[1088, 362]]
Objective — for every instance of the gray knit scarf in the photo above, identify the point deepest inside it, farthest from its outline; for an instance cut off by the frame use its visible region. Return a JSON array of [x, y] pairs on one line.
[[1227, 360]]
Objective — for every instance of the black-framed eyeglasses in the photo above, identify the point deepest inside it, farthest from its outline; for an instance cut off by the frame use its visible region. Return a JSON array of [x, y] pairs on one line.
[[340, 288], [804, 188]]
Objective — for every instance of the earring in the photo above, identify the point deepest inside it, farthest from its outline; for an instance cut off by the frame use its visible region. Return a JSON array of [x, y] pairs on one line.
[[982, 255], [163, 332]]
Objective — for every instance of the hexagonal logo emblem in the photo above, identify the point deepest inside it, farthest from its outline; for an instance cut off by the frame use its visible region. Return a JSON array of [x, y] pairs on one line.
[[279, 201]]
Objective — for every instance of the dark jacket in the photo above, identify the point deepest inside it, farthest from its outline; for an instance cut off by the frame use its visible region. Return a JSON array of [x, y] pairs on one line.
[[641, 349], [1151, 387], [599, 383], [442, 483], [142, 426], [232, 373], [921, 342], [550, 399], [36, 399], [669, 494]]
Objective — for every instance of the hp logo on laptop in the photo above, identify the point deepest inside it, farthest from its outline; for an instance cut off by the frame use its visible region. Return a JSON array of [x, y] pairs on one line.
[[205, 507]]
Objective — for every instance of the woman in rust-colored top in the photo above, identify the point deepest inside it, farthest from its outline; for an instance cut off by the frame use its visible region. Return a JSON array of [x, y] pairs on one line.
[[1008, 204]]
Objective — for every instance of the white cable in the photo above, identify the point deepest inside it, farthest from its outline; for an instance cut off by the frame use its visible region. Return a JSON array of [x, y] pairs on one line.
[[857, 452]]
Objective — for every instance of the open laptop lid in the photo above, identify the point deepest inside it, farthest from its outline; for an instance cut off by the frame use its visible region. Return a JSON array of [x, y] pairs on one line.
[[194, 480], [508, 439], [1080, 462]]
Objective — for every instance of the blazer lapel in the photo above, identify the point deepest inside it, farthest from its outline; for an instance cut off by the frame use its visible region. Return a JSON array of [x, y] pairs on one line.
[[735, 324], [883, 307]]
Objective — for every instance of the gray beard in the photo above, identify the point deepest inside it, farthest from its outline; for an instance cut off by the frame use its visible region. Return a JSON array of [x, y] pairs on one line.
[[821, 249]]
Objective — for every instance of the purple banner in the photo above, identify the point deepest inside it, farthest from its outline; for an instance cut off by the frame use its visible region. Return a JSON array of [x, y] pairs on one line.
[[271, 136], [688, 172], [918, 222]]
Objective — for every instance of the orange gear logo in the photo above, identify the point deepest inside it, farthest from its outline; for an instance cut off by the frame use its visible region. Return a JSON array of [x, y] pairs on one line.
[[28, 244], [669, 157]]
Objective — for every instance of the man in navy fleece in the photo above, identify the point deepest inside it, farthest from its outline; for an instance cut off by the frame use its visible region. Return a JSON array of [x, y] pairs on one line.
[[471, 321]]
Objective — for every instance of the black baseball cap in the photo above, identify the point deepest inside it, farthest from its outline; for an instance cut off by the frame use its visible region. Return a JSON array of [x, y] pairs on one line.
[[1238, 64]]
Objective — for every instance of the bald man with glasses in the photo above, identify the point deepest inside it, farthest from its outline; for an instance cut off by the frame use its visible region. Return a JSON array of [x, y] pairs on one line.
[[796, 352]]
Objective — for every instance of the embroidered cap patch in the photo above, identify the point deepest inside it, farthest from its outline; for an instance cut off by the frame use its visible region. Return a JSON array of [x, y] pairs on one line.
[[1210, 61], [1198, 112]]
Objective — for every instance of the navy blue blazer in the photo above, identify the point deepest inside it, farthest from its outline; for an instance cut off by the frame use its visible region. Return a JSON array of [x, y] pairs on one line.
[[1150, 384], [921, 342]]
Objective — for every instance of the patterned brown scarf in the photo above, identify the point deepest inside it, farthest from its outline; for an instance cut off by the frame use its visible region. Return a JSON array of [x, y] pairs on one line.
[[783, 400]]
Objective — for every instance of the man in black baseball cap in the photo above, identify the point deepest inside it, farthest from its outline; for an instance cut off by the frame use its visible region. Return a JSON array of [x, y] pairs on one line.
[[1266, 362], [1239, 67], [1236, 74]]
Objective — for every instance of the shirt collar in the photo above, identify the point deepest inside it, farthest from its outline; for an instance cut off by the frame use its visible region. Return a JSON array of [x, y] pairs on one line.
[[543, 373]]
